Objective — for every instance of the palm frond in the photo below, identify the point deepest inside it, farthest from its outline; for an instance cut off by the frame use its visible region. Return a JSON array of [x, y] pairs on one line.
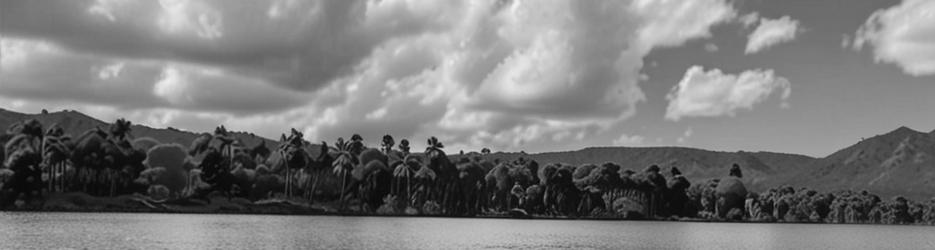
[[388, 141]]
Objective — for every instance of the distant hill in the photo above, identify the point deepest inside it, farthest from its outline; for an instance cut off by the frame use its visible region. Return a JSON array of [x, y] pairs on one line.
[[901, 162], [76, 123], [761, 169]]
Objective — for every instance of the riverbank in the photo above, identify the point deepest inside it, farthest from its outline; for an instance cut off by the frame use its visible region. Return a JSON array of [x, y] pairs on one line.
[[81, 202], [84, 203]]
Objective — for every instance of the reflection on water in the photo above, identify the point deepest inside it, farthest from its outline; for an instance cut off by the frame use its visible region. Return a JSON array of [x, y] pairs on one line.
[[25, 230]]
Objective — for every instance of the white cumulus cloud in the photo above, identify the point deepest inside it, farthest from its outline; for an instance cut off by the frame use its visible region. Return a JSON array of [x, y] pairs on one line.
[[771, 32], [712, 93], [904, 35], [508, 75], [749, 19]]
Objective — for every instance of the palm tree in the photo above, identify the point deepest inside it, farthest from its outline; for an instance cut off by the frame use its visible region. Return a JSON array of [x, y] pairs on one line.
[[119, 137], [343, 165], [406, 170], [316, 167], [356, 144], [425, 177], [292, 142], [435, 147], [227, 141], [432, 153], [404, 147], [121, 129], [292, 146], [55, 154], [387, 144]]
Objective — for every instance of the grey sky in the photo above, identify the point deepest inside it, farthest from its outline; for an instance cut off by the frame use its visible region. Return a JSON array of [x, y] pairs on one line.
[[509, 75]]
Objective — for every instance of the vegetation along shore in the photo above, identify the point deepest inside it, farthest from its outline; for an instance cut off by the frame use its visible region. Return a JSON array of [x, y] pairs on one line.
[[65, 161]]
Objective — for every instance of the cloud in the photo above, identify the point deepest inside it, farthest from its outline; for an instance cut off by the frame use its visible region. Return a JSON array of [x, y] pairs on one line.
[[710, 47], [628, 140], [712, 93], [749, 19], [122, 83], [303, 46], [508, 75], [771, 32], [904, 35]]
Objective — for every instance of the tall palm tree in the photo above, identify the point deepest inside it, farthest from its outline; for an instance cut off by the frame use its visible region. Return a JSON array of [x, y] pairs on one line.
[[315, 168], [56, 149], [356, 144], [426, 178], [404, 147], [291, 147], [387, 144], [227, 142], [120, 130], [435, 158], [435, 147], [119, 138], [343, 165], [405, 170]]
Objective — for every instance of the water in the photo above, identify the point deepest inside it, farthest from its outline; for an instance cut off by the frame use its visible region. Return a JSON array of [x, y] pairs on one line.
[[26, 230]]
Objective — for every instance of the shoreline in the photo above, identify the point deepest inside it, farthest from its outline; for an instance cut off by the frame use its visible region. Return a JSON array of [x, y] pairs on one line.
[[336, 214]]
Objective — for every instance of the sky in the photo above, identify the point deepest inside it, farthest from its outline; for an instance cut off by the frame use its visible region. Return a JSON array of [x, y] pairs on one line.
[[795, 76]]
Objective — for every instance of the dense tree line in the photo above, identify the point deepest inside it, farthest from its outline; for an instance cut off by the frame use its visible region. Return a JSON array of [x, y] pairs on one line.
[[391, 179]]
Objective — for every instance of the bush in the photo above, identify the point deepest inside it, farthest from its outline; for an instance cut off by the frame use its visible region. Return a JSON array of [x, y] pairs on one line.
[[158, 192]]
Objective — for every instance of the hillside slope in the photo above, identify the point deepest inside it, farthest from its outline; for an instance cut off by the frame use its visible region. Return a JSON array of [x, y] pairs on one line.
[[76, 123], [761, 169], [901, 162]]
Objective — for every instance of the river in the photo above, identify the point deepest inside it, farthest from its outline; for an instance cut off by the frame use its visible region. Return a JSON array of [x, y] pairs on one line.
[[29, 230]]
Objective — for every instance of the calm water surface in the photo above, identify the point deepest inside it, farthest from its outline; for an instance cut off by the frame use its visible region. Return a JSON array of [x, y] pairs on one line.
[[26, 230]]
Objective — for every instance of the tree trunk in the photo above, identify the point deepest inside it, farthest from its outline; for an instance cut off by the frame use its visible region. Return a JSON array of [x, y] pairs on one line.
[[409, 188], [341, 193], [113, 182], [446, 196], [230, 164], [311, 193], [394, 186], [285, 164], [188, 184], [61, 181], [43, 162]]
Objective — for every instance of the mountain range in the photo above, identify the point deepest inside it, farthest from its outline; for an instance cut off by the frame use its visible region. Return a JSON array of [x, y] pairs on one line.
[[901, 162]]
